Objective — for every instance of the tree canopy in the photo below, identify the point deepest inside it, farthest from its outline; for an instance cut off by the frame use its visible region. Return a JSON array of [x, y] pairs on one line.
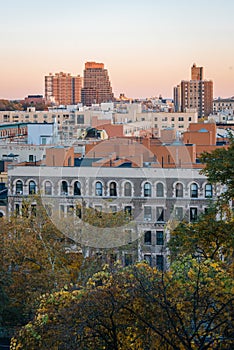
[[219, 167]]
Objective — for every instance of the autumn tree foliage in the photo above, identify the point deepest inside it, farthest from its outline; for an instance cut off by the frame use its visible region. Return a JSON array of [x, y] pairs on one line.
[[34, 261], [137, 308]]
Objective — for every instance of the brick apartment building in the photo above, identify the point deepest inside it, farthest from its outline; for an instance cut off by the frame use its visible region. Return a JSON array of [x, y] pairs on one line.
[[63, 89], [97, 87]]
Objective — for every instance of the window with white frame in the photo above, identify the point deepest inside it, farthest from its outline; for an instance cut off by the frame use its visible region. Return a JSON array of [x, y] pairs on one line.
[[32, 187], [193, 214], [77, 188], [179, 192], [159, 237], [98, 189], [160, 214], [19, 187], [160, 262], [148, 238], [194, 190], [113, 189], [179, 213], [147, 190], [208, 191], [127, 189], [148, 259], [64, 188], [48, 188], [147, 213], [159, 190]]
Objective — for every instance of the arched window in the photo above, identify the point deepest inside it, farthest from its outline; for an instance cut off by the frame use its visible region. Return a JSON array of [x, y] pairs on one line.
[[98, 189], [208, 191], [147, 190], [179, 191], [127, 189], [113, 189], [77, 189], [64, 188], [31, 187], [159, 190], [48, 188], [193, 190], [19, 187]]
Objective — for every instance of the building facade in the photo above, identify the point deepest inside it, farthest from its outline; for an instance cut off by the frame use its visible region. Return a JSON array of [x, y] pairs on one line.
[[63, 89], [97, 87], [154, 198], [196, 93]]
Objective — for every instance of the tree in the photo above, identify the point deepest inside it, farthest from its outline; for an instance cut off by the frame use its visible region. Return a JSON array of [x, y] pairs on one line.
[[219, 167], [211, 237], [138, 307], [35, 262]]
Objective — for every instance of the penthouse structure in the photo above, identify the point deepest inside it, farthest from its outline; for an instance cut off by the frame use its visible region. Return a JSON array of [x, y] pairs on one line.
[[97, 87], [196, 93], [63, 89]]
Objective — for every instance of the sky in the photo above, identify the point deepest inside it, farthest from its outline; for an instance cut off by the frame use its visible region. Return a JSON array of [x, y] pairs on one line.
[[148, 46]]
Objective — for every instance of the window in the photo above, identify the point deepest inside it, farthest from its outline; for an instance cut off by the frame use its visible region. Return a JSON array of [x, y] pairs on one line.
[[148, 259], [128, 259], [181, 119], [17, 209], [113, 208], [19, 187], [208, 191], [159, 238], [78, 211], [98, 189], [159, 190], [113, 189], [179, 190], [194, 191], [33, 210], [64, 188], [70, 210], [148, 238], [147, 190], [77, 188], [31, 158], [98, 211], [160, 262], [80, 119], [32, 187], [127, 189], [179, 213], [148, 213], [128, 210], [160, 214], [48, 188], [193, 214]]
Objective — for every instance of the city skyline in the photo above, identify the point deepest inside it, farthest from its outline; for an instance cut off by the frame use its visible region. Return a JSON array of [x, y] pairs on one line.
[[148, 47]]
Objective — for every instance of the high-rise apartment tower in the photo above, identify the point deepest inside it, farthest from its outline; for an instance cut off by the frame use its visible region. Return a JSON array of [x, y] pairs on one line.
[[196, 93], [97, 86], [63, 89]]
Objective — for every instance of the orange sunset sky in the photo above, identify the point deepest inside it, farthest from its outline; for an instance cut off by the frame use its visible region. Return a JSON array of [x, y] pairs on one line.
[[147, 46]]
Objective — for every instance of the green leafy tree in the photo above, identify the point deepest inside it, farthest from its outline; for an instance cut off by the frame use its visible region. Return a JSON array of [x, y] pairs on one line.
[[219, 167]]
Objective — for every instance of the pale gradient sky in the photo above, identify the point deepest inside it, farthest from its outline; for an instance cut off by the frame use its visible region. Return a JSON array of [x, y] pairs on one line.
[[148, 46]]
